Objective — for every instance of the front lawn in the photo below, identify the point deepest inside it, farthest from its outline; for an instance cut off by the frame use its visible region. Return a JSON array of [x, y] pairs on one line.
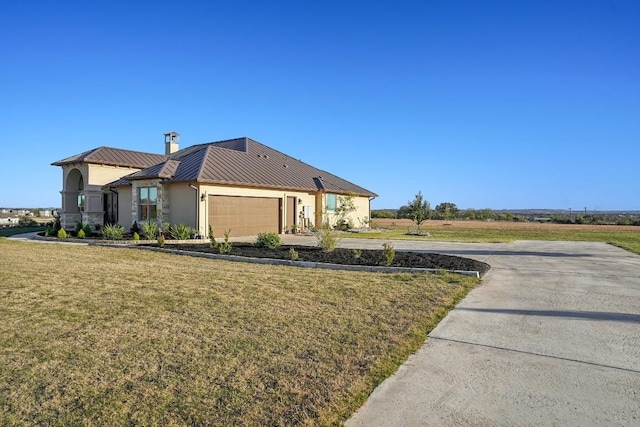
[[114, 336]]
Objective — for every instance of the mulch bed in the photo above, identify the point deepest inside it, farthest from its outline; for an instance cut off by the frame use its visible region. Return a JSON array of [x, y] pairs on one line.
[[371, 257]]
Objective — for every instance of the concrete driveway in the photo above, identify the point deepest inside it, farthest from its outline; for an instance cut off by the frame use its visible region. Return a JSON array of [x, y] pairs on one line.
[[551, 337]]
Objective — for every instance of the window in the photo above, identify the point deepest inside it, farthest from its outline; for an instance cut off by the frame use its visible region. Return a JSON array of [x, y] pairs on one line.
[[331, 202], [148, 203], [82, 202]]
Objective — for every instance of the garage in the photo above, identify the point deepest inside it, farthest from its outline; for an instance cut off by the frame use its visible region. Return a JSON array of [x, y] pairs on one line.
[[244, 216]]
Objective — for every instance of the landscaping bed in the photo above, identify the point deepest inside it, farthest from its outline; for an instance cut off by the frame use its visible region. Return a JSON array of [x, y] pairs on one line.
[[364, 257]]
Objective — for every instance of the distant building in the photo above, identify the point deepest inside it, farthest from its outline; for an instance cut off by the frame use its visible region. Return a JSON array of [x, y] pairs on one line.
[[9, 218]]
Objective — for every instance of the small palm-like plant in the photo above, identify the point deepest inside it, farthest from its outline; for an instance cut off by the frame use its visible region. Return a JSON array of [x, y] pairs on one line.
[[181, 231], [112, 232], [149, 229]]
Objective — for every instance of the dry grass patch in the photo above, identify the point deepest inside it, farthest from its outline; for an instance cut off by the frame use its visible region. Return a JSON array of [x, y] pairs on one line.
[[105, 336], [624, 236]]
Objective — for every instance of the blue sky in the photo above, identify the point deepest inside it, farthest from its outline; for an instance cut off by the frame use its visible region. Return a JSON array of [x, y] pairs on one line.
[[486, 104]]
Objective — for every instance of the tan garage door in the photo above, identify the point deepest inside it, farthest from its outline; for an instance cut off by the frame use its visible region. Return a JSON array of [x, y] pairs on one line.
[[244, 216]]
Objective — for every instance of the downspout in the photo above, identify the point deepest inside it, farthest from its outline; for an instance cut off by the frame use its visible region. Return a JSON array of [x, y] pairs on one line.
[[370, 199], [197, 207]]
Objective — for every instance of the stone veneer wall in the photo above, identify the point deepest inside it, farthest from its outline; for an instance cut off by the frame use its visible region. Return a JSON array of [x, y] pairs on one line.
[[162, 202]]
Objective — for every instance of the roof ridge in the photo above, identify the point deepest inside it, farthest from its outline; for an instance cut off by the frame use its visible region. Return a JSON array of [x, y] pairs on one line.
[[203, 162], [220, 144], [126, 149], [287, 156], [165, 166]]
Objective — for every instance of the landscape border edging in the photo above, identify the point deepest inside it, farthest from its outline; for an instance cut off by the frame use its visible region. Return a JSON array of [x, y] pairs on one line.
[[302, 264]]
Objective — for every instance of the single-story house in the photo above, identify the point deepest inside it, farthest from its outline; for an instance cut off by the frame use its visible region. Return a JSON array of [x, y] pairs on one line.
[[9, 219], [238, 184]]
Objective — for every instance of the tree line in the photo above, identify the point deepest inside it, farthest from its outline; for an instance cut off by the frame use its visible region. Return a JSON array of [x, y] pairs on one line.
[[419, 210]]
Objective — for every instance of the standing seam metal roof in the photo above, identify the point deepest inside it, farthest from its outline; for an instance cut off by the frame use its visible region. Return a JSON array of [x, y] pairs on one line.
[[114, 157], [240, 161]]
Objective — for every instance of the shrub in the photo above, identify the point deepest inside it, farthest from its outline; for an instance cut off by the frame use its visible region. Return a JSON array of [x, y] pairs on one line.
[[62, 234], [357, 253], [136, 236], [364, 222], [388, 253], [48, 232], [112, 232], [225, 247], [81, 234], [346, 205], [181, 231], [293, 254], [344, 225], [327, 239], [149, 229], [87, 230], [268, 240], [56, 223], [135, 228], [212, 239], [79, 226], [161, 241]]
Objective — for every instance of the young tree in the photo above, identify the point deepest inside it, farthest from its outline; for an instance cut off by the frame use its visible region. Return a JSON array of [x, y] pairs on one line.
[[419, 210]]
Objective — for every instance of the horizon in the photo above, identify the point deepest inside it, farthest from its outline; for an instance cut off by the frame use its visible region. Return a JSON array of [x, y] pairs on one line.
[[494, 103], [575, 211]]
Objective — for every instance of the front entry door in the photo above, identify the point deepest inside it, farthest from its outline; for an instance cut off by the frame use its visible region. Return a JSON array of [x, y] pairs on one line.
[[111, 208], [291, 212]]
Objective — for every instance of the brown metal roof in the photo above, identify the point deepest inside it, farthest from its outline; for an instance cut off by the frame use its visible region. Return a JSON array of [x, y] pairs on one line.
[[114, 157], [161, 170], [244, 162]]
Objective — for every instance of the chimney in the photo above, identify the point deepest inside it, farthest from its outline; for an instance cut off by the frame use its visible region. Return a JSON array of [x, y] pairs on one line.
[[171, 142]]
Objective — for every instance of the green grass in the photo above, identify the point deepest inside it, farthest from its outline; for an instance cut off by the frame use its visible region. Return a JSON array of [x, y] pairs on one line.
[[629, 240], [113, 336]]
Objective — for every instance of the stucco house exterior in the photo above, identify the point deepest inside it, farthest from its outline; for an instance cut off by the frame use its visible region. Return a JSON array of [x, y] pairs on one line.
[[238, 184]]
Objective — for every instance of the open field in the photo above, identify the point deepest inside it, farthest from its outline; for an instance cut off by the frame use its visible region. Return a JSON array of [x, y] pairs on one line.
[[113, 336], [626, 237]]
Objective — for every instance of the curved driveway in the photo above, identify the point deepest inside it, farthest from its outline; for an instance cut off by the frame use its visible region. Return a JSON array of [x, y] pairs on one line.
[[551, 337]]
